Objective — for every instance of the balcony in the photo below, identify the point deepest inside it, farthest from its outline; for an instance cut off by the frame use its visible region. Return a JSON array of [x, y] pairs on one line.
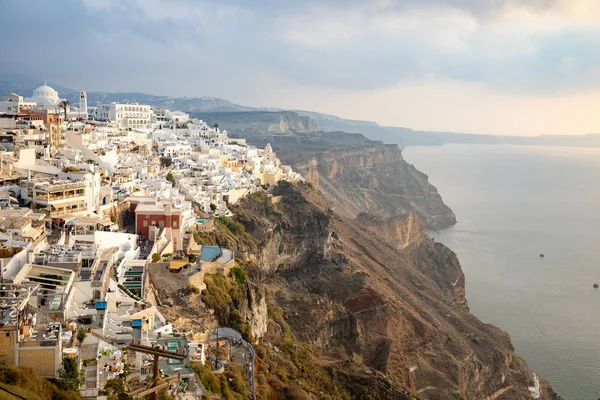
[[51, 198], [67, 211]]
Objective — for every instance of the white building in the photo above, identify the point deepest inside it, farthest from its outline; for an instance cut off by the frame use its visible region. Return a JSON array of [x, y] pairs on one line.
[[12, 104], [126, 115], [174, 149], [45, 96]]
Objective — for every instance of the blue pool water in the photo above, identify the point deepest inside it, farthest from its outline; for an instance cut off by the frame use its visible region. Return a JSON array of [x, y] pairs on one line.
[[210, 253]]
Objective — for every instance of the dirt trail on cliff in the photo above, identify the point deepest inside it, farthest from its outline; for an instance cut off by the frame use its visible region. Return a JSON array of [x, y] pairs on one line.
[[382, 293]]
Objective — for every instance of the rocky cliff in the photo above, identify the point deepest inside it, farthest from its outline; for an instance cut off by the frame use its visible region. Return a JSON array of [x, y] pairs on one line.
[[377, 299], [259, 122], [359, 175], [376, 180]]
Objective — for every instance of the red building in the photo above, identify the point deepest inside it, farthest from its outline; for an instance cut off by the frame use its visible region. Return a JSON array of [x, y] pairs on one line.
[[159, 215]]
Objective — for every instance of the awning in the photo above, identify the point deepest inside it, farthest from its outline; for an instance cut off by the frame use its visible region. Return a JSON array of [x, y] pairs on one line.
[[32, 233], [177, 264], [85, 221]]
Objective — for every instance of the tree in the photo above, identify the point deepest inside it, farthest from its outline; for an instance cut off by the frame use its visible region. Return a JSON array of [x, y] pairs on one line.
[[113, 388], [65, 105], [171, 179], [71, 377], [81, 334], [216, 126], [166, 162], [213, 207]]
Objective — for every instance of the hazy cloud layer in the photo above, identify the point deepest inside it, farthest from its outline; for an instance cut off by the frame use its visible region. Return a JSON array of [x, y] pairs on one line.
[[298, 53]]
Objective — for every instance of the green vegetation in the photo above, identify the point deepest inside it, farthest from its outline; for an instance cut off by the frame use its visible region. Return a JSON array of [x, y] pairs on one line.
[[65, 105], [231, 385], [81, 334], [166, 162], [276, 314], [171, 179], [155, 257], [213, 207], [239, 275], [223, 295], [234, 227], [26, 383], [260, 197], [295, 371], [283, 184], [70, 169], [114, 389], [208, 379], [71, 377]]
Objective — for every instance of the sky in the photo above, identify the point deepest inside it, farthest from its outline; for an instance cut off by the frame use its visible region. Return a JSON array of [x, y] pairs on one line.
[[512, 67]]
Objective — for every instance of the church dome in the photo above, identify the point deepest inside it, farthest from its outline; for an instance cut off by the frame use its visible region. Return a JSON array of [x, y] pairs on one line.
[[45, 95]]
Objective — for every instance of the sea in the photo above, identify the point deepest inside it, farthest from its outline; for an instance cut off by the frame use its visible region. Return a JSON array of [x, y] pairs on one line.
[[514, 203]]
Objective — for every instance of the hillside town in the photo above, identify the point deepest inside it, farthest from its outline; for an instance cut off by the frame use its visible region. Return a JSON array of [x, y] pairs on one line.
[[91, 197]]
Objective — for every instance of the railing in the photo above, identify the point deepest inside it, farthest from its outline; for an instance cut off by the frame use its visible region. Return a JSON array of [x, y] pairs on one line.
[[66, 186], [60, 213], [53, 198]]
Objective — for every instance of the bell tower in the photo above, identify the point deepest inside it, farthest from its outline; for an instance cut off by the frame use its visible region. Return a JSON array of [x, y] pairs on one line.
[[83, 104]]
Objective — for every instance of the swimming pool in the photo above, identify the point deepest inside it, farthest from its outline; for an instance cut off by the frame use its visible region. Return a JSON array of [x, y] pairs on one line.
[[210, 253], [172, 347]]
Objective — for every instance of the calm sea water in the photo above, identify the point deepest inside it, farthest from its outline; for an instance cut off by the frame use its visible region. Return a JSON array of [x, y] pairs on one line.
[[513, 203]]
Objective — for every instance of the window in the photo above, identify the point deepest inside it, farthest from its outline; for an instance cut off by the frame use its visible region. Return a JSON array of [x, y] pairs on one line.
[[174, 224], [153, 223], [145, 224]]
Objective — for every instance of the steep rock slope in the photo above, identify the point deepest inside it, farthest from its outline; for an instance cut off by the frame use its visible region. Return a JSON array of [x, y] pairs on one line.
[[383, 295], [359, 175], [259, 122], [377, 180]]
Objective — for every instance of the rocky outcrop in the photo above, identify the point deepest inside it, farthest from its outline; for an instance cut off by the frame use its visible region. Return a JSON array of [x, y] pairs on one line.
[[355, 174], [376, 180], [254, 309], [382, 294], [401, 230], [258, 123]]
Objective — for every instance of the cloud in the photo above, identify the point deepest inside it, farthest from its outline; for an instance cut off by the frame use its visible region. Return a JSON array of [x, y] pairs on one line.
[[247, 50]]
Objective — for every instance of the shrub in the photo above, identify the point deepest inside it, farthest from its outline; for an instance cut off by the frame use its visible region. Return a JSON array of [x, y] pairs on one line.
[[29, 385], [208, 379], [234, 227], [81, 334], [239, 275], [155, 258], [166, 162], [171, 179]]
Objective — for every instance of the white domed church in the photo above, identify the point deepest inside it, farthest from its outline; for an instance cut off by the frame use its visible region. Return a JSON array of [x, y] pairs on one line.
[[45, 96]]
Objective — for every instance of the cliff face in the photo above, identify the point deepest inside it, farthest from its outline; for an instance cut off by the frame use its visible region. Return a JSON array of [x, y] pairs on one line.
[[383, 294], [253, 123], [375, 180]]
